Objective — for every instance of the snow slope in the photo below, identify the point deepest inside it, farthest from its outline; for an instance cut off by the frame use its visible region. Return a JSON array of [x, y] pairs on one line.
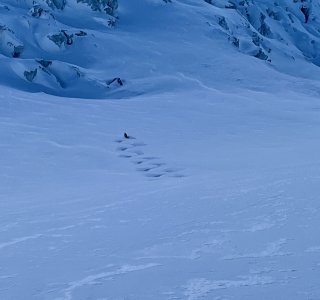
[[153, 45], [214, 196], [234, 215]]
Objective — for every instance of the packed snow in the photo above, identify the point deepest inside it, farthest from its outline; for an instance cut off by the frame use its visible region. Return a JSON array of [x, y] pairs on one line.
[[214, 193]]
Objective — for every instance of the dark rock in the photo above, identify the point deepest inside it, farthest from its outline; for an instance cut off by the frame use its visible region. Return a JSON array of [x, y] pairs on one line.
[[256, 39], [234, 41], [108, 6], [261, 55], [59, 4], [115, 81], [223, 23], [30, 75], [306, 12], [44, 63], [264, 29], [62, 38], [37, 11], [81, 33], [17, 50]]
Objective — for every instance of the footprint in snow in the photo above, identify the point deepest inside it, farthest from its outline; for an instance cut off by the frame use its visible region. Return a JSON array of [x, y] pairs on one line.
[[151, 166]]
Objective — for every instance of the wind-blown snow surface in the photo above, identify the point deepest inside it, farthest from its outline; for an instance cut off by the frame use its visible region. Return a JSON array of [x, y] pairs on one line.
[[234, 214], [215, 196]]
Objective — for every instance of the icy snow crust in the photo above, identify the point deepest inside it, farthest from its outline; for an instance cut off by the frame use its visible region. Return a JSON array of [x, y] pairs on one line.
[[215, 195]]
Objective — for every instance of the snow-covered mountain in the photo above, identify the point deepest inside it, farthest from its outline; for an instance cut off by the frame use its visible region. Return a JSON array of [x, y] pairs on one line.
[[95, 49], [214, 191]]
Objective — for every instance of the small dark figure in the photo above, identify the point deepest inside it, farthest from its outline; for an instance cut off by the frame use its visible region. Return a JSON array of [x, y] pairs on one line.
[[306, 11], [125, 135]]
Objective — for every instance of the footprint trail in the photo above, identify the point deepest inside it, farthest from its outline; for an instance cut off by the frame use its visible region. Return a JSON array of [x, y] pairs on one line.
[[150, 166]]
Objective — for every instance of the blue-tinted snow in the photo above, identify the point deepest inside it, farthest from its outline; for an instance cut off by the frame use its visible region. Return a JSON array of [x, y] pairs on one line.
[[215, 195]]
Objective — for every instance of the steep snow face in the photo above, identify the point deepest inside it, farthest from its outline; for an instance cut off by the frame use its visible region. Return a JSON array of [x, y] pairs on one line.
[[102, 48], [280, 30]]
